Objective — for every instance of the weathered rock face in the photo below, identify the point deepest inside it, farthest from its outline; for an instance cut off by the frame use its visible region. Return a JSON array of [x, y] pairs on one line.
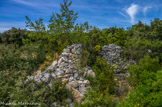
[[67, 68], [112, 54]]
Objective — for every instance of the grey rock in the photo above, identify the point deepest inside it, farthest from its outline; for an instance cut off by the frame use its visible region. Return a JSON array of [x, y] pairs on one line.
[[55, 104], [63, 64], [71, 105], [59, 61], [53, 75], [81, 79], [29, 78], [68, 100], [76, 75], [86, 82], [80, 82], [71, 78], [46, 77], [54, 63], [39, 75], [90, 73], [69, 71], [149, 50], [83, 90], [49, 68], [59, 70], [84, 75], [42, 77], [73, 84], [67, 50]]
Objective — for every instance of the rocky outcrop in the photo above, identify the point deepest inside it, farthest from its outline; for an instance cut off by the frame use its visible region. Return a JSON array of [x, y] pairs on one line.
[[112, 54], [67, 68]]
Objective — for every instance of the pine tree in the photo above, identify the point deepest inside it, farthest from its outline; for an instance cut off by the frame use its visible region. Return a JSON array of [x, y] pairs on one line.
[[38, 26], [63, 22]]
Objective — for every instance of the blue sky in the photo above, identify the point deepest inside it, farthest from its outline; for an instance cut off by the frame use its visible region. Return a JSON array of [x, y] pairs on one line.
[[100, 13]]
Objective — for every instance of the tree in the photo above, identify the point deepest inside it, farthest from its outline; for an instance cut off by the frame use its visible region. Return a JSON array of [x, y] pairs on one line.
[[13, 36], [63, 22], [38, 26]]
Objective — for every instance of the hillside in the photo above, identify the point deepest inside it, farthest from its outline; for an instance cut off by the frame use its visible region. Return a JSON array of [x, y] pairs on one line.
[[78, 65]]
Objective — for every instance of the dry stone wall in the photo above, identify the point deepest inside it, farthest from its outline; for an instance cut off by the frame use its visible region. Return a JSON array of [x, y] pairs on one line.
[[112, 54], [67, 68]]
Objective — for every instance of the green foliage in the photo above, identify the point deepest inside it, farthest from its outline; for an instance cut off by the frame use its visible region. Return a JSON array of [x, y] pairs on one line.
[[16, 65], [146, 79], [102, 86], [116, 36], [144, 40], [41, 93], [104, 75], [13, 36], [139, 74], [82, 27], [38, 26], [17, 59], [22, 51], [63, 22], [98, 98]]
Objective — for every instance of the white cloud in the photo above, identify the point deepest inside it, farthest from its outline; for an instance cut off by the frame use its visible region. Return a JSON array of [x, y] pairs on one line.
[[132, 11], [23, 2], [39, 4], [145, 9]]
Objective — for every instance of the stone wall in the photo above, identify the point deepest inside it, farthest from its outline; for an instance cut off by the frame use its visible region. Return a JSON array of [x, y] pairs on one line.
[[112, 54], [67, 68]]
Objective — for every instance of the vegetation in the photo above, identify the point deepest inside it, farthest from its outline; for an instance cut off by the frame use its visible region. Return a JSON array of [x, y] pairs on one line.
[[22, 52], [146, 81]]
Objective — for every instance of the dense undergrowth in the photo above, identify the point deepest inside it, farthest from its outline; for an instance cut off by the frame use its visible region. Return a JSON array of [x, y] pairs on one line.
[[22, 52]]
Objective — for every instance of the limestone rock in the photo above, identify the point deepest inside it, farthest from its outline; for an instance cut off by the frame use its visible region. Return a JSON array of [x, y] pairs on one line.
[[49, 68], [112, 54], [86, 82], [43, 77], [77, 95], [90, 73], [54, 63], [82, 90], [73, 84]]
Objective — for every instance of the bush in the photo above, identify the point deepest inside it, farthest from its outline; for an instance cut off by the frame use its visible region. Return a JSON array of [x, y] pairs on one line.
[[26, 58], [145, 78], [41, 93], [102, 86], [13, 36]]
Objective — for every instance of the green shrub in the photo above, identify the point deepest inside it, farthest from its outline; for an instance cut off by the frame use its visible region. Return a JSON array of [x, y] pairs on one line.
[[146, 79], [146, 70], [102, 86], [13, 36], [16, 59], [13, 89]]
